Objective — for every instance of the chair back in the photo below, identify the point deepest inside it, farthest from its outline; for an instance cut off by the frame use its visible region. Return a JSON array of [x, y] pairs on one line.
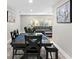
[[25, 29], [29, 30], [34, 42], [12, 36], [33, 29], [16, 33]]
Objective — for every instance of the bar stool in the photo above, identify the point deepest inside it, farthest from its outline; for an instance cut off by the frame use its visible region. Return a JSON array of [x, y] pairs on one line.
[[51, 49]]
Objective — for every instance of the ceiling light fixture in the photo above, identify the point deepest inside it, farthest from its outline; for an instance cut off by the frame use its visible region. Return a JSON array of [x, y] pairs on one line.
[[30, 1], [31, 10]]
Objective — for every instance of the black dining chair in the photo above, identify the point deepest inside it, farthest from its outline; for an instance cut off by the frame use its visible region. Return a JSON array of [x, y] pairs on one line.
[[16, 47], [16, 32], [25, 29], [33, 29], [29, 30], [12, 36], [33, 49]]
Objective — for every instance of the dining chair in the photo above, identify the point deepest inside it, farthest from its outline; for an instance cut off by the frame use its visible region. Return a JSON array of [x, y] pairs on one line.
[[50, 49], [33, 29], [33, 49], [25, 29], [12, 36], [16, 32], [29, 30], [15, 47]]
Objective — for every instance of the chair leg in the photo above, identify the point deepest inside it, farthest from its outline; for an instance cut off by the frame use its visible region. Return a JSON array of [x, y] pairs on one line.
[[51, 55], [16, 51], [46, 55], [13, 54], [25, 55], [56, 55], [38, 57]]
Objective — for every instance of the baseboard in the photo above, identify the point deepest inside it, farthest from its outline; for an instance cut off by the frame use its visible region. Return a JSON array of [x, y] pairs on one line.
[[62, 51]]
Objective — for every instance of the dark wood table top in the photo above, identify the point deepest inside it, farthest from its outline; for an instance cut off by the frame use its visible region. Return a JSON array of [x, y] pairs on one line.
[[20, 39]]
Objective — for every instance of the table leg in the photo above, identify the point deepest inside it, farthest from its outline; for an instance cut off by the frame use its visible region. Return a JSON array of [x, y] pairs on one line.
[[56, 55]]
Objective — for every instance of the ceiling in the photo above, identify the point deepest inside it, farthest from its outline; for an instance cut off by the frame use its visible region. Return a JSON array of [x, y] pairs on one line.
[[38, 6]]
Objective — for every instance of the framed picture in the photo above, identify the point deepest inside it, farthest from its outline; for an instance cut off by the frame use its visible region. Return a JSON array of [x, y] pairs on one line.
[[10, 17], [64, 13]]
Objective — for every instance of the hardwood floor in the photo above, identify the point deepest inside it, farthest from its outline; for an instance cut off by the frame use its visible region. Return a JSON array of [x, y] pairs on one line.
[[9, 56], [43, 52]]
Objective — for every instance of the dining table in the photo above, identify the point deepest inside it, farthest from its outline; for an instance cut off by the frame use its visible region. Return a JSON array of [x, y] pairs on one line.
[[20, 39]]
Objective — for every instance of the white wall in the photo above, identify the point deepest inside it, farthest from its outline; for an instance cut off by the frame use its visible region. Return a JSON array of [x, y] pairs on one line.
[[26, 20], [62, 32], [12, 26]]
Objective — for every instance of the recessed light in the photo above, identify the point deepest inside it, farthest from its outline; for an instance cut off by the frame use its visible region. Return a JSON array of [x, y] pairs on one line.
[[30, 1], [31, 10]]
